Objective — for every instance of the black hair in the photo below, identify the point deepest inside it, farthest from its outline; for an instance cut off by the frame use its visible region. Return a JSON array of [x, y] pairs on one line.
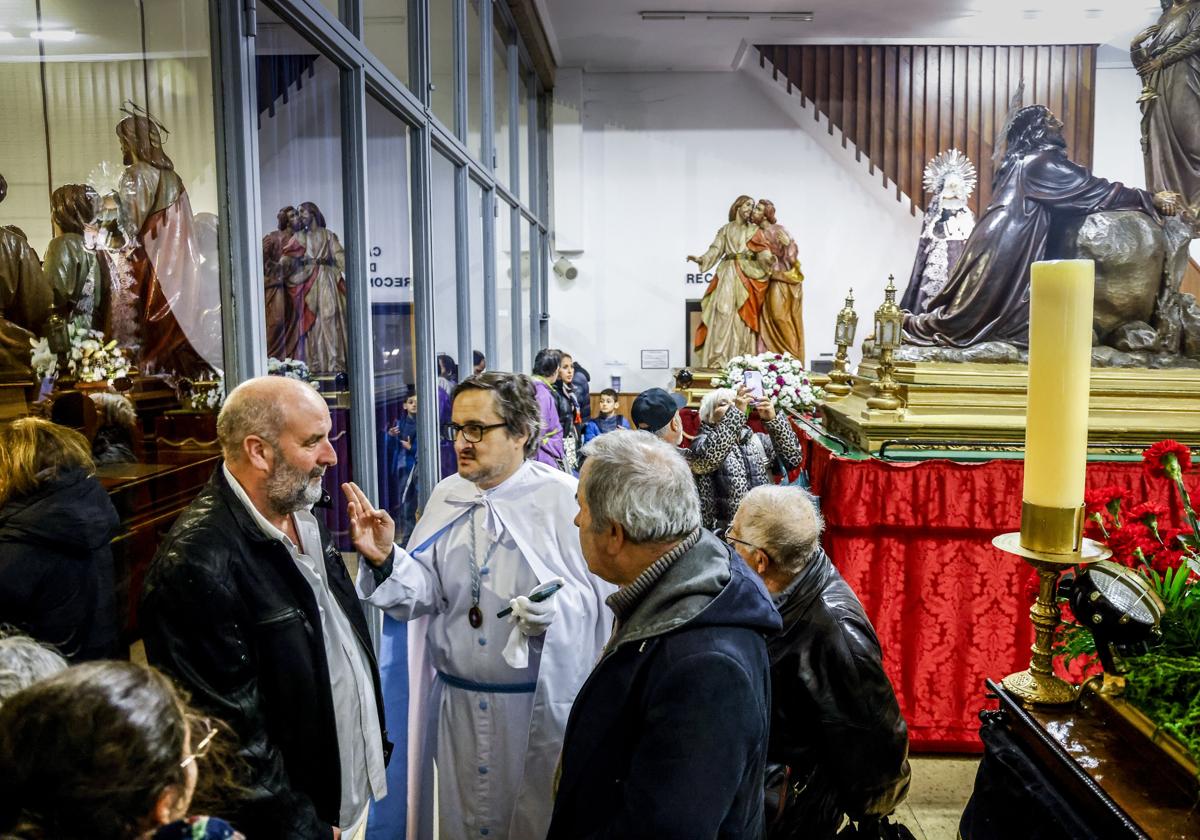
[[546, 362]]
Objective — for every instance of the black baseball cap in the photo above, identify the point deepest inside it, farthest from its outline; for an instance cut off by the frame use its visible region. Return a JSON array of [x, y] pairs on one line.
[[654, 409]]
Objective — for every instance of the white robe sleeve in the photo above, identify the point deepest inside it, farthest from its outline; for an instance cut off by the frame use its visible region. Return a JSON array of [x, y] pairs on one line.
[[411, 591]]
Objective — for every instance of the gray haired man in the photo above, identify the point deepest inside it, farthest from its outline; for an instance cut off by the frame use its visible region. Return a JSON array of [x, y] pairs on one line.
[[839, 745], [667, 737]]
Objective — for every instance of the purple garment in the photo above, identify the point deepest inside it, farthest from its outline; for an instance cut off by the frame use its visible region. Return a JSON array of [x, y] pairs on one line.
[[449, 460], [550, 451]]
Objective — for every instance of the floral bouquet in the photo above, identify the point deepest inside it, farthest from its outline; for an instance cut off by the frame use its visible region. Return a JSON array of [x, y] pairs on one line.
[[1163, 681], [91, 358], [291, 368], [785, 381]]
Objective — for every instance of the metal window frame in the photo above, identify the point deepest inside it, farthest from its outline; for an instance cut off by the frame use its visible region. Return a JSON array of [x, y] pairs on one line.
[[338, 38]]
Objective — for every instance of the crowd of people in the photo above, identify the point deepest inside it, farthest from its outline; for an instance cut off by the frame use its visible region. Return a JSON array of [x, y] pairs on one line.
[[657, 648]]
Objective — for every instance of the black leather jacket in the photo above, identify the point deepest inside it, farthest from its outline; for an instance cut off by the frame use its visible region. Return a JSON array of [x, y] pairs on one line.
[[834, 717], [226, 612]]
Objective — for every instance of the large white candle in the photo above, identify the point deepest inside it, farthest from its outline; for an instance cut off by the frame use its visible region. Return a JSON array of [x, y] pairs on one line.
[[1060, 364]]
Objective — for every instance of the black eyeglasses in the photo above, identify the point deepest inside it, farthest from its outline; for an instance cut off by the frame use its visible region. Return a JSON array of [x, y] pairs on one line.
[[471, 432], [723, 534]]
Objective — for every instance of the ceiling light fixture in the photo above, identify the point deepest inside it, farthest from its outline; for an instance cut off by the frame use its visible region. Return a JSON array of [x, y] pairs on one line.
[[52, 34], [798, 17]]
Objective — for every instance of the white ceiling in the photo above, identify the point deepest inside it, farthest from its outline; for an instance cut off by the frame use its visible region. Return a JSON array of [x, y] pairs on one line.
[[609, 35]]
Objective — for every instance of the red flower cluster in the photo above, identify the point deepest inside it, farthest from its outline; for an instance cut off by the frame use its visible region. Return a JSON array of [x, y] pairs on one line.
[[1167, 459], [1149, 514]]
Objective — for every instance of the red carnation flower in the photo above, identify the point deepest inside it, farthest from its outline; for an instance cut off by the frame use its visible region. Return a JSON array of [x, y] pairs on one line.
[[1167, 459], [778, 356], [779, 380], [1104, 499], [1128, 544], [772, 367], [1148, 513]]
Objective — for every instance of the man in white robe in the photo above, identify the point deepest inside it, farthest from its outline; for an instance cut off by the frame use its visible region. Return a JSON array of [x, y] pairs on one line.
[[489, 696]]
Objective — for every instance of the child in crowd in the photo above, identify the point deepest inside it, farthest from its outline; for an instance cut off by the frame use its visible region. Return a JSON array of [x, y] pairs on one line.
[[607, 419], [402, 441]]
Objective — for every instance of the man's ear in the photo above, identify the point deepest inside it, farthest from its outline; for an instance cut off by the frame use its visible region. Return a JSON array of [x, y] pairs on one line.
[[761, 561], [615, 538], [259, 453]]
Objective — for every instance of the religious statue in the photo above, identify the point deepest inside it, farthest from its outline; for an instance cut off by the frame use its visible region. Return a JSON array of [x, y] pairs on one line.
[[25, 300], [987, 296], [1167, 57], [279, 246], [318, 275], [733, 300], [179, 318], [73, 269], [781, 325], [949, 179]]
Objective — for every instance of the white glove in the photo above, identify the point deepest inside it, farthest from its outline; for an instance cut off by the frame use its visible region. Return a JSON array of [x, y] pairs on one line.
[[532, 618]]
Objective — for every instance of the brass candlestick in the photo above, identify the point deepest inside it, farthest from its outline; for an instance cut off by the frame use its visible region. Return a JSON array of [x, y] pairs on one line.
[[1050, 540], [889, 323], [840, 379]]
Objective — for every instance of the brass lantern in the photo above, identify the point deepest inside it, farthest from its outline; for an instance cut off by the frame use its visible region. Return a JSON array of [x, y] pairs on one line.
[[843, 336], [889, 329]]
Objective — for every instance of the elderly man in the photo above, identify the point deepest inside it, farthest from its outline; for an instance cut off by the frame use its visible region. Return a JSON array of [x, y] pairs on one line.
[[249, 606], [839, 745], [748, 461], [668, 737], [24, 661], [489, 697]]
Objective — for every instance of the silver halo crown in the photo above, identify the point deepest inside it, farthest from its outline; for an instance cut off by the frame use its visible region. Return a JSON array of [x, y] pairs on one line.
[[946, 163]]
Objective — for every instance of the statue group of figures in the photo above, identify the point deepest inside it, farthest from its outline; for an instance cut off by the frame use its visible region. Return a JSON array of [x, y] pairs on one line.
[[304, 275], [754, 303], [131, 261], [1044, 206]]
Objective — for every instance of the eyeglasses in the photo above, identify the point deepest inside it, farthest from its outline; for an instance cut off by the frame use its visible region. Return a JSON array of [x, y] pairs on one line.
[[723, 534], [202, 747], [472, 432]]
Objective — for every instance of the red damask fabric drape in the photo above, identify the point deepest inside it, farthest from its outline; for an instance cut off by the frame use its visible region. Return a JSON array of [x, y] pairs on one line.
[[914, 541]]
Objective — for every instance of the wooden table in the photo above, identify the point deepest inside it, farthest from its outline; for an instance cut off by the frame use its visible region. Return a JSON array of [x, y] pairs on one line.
[[1075, 771]]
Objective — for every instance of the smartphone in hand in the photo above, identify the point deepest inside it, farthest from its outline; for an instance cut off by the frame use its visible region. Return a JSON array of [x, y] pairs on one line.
[[753, 381]]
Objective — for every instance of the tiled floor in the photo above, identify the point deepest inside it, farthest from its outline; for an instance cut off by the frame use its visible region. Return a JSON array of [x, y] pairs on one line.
[[941, 786]]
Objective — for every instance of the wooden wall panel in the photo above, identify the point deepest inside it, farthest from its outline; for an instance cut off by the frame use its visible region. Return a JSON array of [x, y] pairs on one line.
[[901, 105]]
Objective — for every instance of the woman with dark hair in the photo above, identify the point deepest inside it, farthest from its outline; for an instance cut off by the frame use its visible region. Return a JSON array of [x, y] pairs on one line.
[[570, 411], [56, 522], [545, 375], [104, 751]]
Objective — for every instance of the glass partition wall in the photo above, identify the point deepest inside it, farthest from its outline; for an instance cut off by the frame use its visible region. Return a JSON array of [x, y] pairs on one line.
[[362, 197], [409, 126]]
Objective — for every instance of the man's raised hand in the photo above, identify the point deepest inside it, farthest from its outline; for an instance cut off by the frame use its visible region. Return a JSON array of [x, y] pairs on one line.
[[371, 530]]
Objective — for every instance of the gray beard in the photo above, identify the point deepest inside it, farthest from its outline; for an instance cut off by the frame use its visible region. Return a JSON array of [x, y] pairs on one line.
[[290, 489]]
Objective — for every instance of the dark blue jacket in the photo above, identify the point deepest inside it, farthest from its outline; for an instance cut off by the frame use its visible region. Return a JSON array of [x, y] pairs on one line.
[[667, 739]]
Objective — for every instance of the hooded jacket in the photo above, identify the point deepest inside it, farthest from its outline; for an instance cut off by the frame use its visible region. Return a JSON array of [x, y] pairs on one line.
[[56, 567], [667, 738], [834, 717]]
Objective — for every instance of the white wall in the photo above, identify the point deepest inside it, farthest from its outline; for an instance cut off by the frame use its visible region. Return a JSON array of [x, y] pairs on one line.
[[663, 157], [1117, 150]]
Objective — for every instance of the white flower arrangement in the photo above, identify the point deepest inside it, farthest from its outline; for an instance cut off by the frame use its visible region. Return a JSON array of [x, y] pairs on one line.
[[785, 381], [291, 368], [91, 359]]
